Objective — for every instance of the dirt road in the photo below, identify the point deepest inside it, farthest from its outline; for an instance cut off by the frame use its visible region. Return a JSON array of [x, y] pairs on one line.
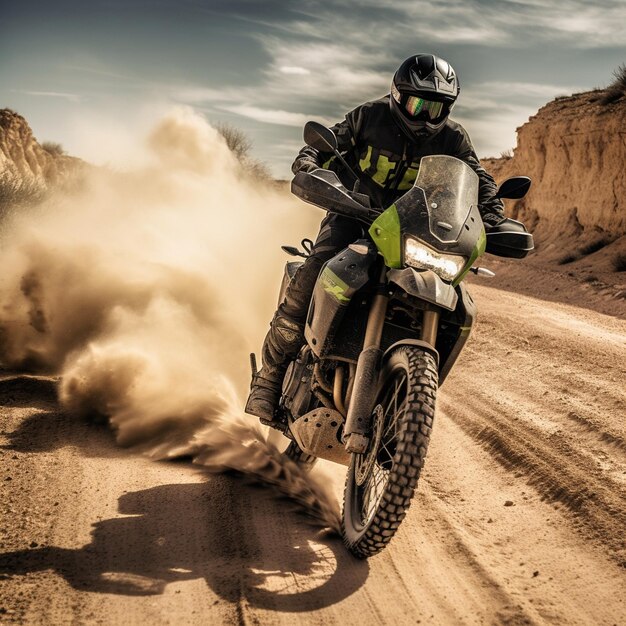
[[520, 516]]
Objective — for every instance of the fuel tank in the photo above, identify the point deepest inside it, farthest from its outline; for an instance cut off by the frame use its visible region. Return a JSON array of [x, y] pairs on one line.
[[339, 279]]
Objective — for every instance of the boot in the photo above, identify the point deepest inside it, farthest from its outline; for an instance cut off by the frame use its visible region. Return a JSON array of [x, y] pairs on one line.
[[264, 395], [284, 339]]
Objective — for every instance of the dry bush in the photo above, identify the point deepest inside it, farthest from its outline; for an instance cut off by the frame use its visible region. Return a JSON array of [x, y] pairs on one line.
[[617, 89], [241, 145], [53, 148], [590, 248], [590, 278], [594, 246], [17, 191], [569, 258], [619, 262], [236, 140], [507, 154]]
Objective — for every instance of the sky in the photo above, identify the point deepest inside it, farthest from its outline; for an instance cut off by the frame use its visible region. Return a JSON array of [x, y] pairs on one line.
[[95, 75]]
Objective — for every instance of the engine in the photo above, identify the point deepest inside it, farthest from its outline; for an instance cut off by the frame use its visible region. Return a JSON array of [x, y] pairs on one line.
[[297, 384]]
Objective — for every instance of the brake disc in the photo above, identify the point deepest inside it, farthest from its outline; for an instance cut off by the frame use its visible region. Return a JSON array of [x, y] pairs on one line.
[[365, 462]]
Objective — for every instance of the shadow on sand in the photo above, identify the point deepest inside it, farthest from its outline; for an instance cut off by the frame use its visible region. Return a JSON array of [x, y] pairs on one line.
[[244, 543], [188, 531]]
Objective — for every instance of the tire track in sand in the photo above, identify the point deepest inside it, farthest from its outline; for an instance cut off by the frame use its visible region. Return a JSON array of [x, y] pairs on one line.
[[524, 405]]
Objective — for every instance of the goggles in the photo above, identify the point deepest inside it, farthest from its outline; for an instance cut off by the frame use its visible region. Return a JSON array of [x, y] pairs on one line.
[[419, 108], [426, 109]]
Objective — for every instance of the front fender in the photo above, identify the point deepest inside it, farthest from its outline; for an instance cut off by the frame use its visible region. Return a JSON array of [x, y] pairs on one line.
[[424, 345], [426, 285]]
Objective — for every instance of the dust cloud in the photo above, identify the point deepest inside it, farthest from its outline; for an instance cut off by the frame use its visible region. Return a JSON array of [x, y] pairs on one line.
[[145, 291]]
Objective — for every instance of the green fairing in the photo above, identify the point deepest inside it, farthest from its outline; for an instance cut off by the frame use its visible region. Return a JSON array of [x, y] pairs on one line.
[[479, 249], [334, 285], [386, 233]]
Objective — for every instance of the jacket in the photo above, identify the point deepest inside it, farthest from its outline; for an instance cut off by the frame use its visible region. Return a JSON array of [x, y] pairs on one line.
[[387, 161]]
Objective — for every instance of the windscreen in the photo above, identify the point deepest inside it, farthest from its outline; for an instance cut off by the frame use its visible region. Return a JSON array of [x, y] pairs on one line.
[[451, 189]]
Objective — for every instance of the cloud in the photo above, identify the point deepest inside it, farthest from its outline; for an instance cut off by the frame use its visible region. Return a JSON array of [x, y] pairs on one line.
[[328, 80], [320, 59], [589, 25], [294, 69], [326, 58], [382, 25], [491, 111], [72, 97], [533, 90], [489, 96], [329, 72], [198, 94], [273, 116]]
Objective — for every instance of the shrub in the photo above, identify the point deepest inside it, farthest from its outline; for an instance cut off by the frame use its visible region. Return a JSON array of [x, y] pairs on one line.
[[507, 154], [18, 191], [617, 89], [619, 262], [594, 246], [53, 148], [569, 258], [236, 140], [241, 145]]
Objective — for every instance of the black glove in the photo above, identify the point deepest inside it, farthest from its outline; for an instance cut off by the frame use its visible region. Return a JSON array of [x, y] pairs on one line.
[[308, 166]]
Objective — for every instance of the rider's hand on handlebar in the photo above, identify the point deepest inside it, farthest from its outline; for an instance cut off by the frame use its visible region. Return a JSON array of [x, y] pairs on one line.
[[308, 167]]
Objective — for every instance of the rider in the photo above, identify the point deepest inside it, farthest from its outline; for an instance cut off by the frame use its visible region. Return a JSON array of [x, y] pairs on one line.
[[383, 141]]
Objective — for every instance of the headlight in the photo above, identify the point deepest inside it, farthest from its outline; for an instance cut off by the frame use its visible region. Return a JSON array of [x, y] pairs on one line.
[[420, 256]]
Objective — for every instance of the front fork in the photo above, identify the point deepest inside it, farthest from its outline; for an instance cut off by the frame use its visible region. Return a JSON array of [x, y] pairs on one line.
[[368, 367]]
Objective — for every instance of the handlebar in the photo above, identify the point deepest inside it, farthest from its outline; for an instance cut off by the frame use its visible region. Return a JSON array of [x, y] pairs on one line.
[[323, 188]]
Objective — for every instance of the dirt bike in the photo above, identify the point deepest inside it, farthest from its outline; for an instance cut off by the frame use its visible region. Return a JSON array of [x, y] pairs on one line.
[[388, 319]]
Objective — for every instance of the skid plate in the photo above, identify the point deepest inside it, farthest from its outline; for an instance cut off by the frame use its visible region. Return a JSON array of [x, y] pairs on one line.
[[316, 433]]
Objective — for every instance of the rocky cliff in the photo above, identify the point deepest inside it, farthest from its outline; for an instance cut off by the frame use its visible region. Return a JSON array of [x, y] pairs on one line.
[[574, 149], [25, 165]]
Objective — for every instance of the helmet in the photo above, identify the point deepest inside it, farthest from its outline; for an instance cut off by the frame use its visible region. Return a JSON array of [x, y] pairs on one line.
[[423, 92]]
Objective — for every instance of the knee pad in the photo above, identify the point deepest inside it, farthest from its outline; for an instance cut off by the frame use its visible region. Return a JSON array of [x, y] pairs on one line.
[[287, 331]]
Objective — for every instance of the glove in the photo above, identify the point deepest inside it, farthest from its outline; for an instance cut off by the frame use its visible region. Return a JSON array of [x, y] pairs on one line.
[[308, 167]]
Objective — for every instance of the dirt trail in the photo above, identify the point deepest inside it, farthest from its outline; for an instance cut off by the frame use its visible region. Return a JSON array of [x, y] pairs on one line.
[[520, 516]]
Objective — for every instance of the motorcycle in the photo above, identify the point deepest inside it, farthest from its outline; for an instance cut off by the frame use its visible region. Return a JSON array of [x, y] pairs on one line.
[[388, 318]]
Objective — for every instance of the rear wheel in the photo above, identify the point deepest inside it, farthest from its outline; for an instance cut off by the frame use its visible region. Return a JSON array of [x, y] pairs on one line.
[[381, 482]]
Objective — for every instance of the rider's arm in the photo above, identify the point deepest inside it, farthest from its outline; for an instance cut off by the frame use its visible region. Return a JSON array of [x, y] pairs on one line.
[[490, 207]]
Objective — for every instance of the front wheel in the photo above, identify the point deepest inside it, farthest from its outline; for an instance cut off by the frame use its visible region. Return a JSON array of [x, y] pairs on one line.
[[380, 483]]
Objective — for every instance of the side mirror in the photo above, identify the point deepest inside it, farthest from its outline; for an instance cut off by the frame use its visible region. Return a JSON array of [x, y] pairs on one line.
[[514, 188], [319, 137], [323, 139]]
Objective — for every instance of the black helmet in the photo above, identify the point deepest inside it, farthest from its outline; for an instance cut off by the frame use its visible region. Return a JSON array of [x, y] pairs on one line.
[[423, 92]]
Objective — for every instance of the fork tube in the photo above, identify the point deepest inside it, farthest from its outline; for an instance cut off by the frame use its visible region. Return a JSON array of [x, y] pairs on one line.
[[366, 376], [430, 325], [338, 390], [376, 316], [351, 374]]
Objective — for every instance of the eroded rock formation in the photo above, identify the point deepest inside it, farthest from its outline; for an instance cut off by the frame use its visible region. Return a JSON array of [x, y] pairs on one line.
[[22, 156], [574, 149]]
